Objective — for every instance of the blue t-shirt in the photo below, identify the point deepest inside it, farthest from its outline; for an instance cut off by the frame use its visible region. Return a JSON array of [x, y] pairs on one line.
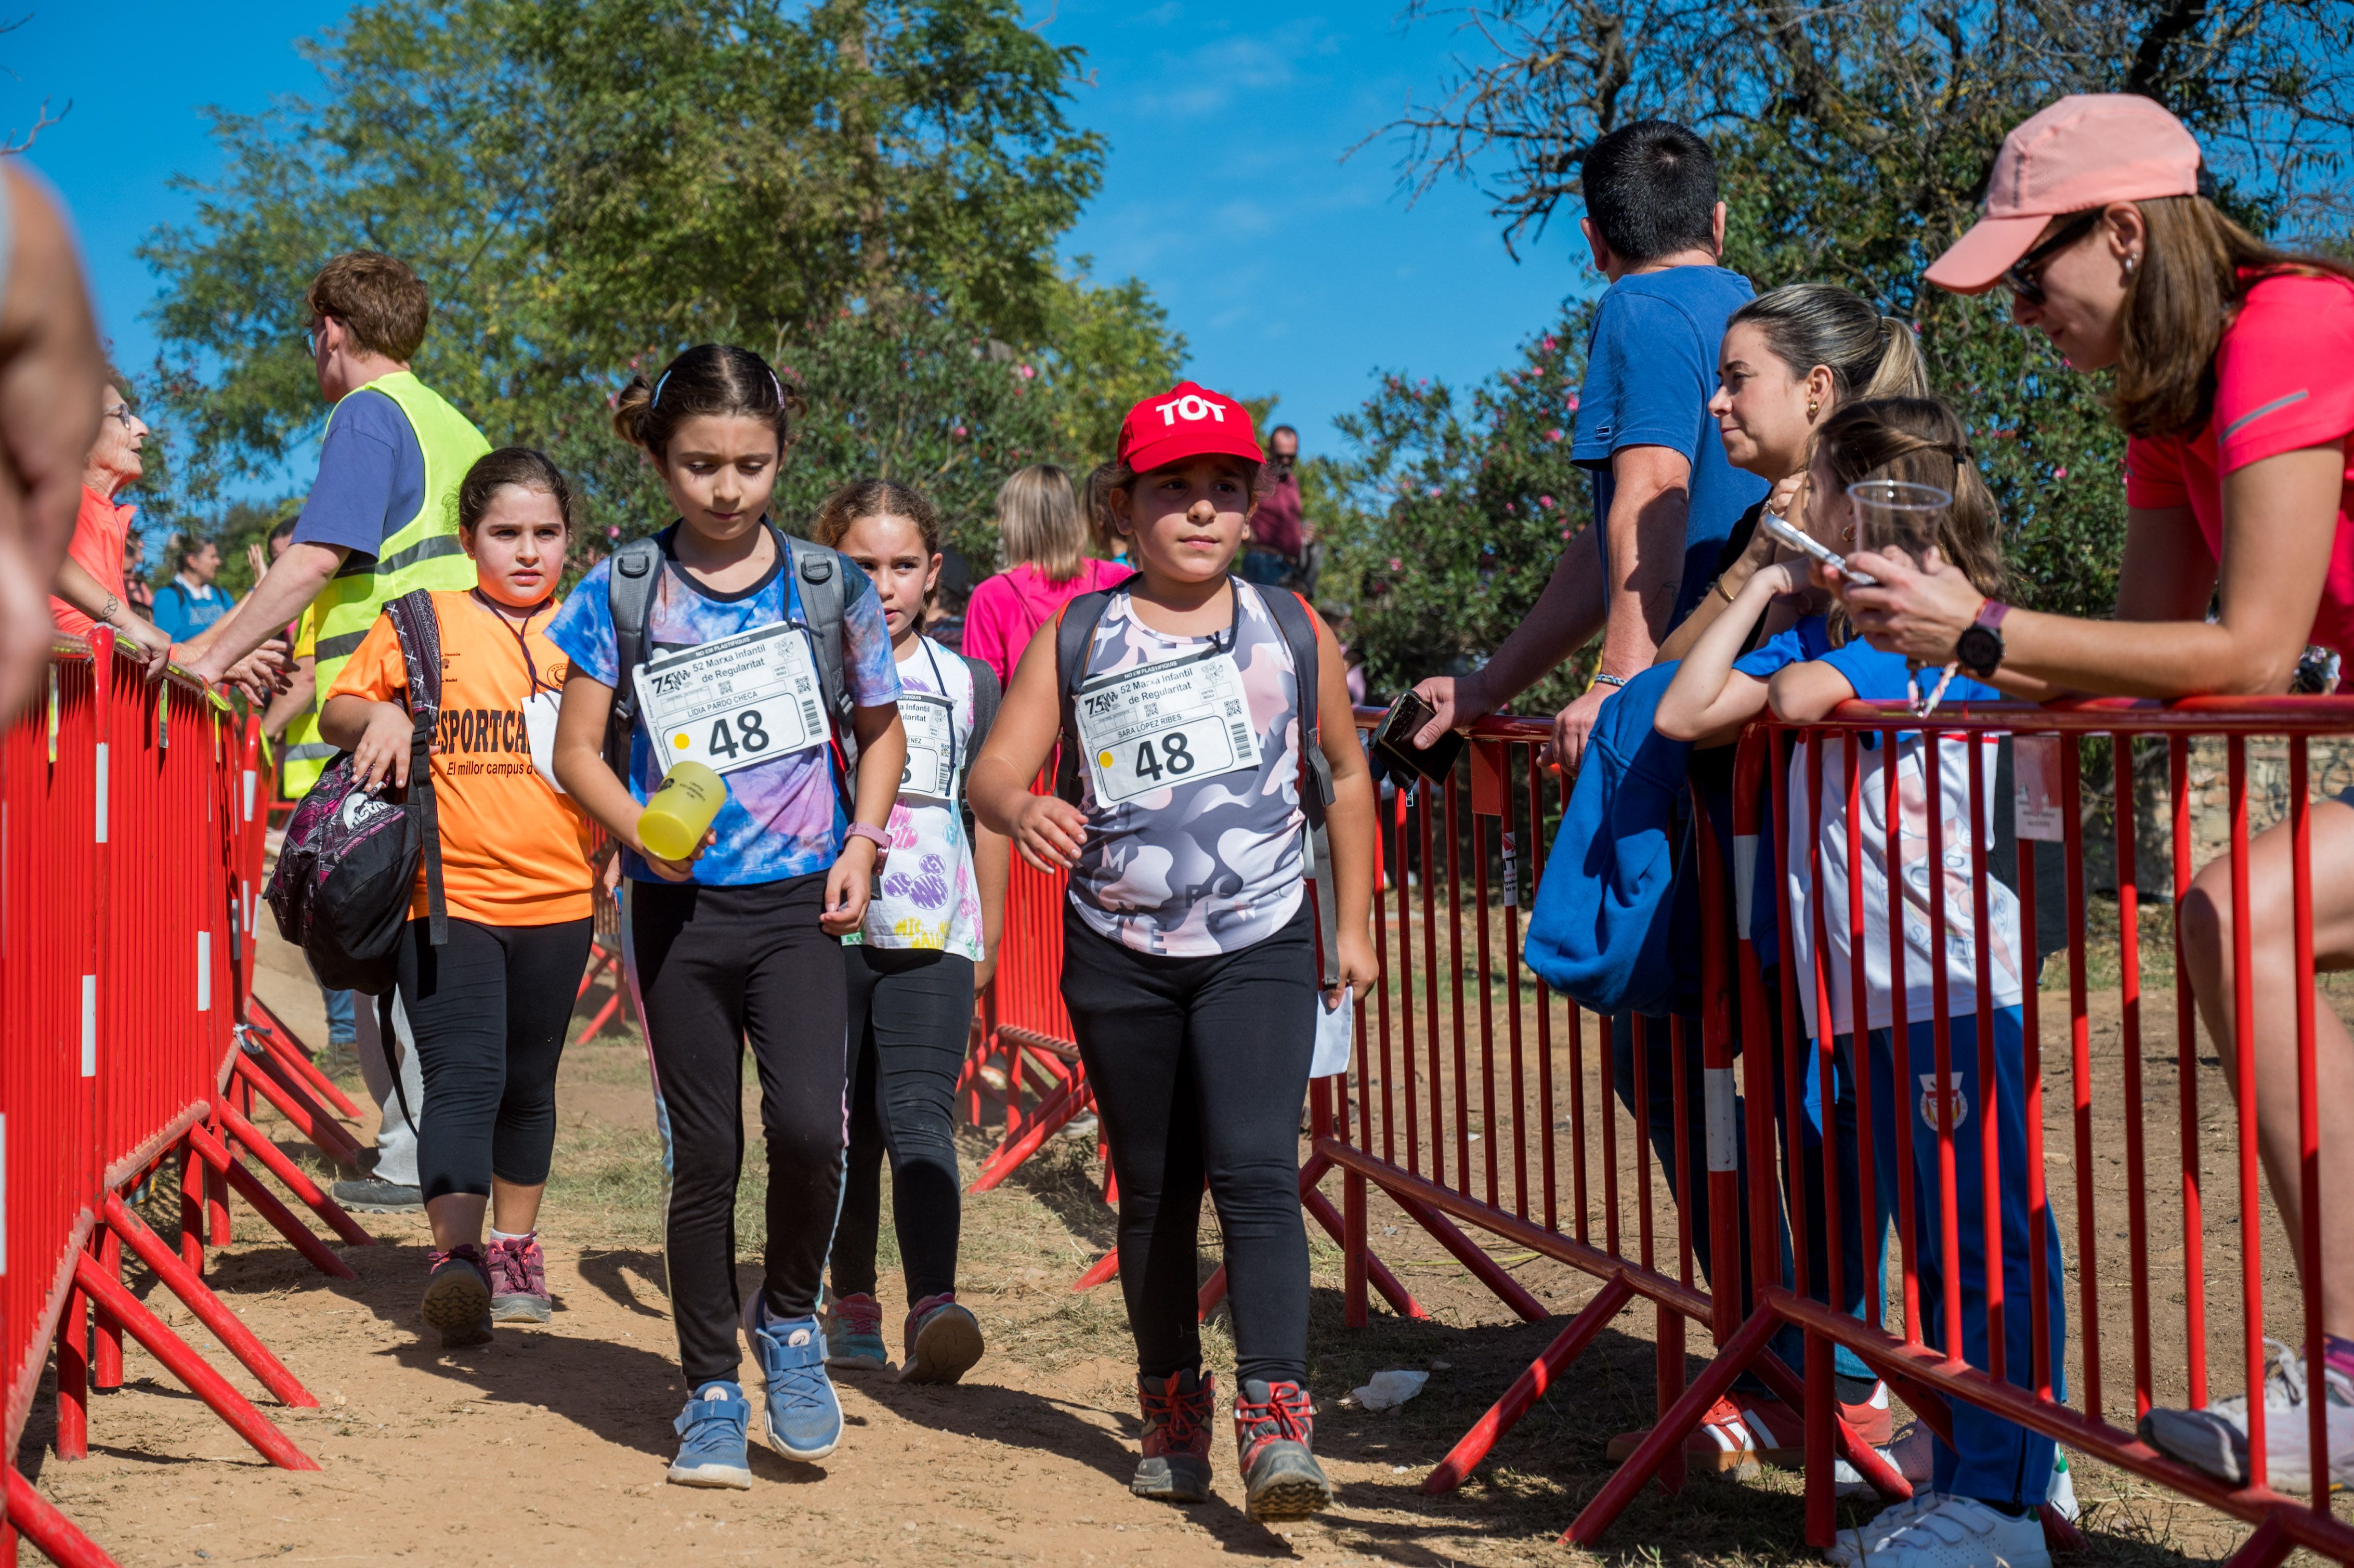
[[182, 611], [1877, 677], [371, 476], [1650, 369], [782, 819]]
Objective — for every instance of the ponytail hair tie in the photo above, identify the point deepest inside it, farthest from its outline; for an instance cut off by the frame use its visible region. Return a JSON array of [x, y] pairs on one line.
[[658, 387]]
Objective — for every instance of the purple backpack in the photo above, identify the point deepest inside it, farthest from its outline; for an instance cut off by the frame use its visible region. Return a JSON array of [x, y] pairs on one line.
[[341, 887]]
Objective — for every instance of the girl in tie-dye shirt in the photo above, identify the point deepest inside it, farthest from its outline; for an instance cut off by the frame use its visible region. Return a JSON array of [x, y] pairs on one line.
[[742, 940]]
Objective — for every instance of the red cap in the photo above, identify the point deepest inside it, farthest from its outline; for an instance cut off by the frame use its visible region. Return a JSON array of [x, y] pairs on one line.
[[1186, 421], [2086, 151]]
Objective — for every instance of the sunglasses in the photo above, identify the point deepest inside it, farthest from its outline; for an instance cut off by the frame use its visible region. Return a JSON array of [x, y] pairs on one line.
[[2024, 277]]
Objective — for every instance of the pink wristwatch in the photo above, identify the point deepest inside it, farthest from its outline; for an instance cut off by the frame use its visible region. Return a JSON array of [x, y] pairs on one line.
[[875, 836]]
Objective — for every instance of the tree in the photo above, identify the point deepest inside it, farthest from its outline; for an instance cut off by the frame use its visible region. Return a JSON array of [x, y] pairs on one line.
[[589, 185], [1856, 141]]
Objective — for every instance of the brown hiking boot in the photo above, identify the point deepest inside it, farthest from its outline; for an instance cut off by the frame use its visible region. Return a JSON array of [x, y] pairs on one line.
[[1177, 1412]]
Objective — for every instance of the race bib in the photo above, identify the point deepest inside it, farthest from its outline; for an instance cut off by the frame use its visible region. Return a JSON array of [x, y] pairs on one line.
[[742, 700], [539, 723], [1165, 724], [930, 723]]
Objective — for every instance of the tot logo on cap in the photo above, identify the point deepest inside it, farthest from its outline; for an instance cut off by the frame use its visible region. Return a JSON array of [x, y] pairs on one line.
[[1187, 421]]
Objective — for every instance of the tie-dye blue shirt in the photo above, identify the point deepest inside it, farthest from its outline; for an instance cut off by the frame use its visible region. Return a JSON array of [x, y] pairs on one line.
[[782, 819]]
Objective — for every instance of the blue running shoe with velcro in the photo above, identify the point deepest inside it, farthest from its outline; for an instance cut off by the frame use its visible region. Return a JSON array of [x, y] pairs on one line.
[[805, 1417], [711, 1451]]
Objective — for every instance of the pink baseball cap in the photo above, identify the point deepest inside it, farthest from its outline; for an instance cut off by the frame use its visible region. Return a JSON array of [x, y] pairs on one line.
[[1186, 421], [2086, 151]]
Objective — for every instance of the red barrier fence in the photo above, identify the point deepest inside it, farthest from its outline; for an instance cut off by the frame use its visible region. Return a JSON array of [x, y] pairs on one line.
[[1477, 1100], [131, 849]]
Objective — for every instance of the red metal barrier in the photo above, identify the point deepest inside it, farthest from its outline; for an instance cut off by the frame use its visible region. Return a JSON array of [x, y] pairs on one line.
[[130, 850]]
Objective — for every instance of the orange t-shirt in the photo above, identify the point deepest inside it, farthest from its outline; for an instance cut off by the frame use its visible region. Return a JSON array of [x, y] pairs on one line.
[[100, 529], [512, 848]]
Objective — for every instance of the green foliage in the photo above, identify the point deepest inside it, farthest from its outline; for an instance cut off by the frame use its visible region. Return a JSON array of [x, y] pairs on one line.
[[1459, 513], [868, 192]]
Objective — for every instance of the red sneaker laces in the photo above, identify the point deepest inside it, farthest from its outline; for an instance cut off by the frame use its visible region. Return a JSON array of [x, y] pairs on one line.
[[1288, 1414], [1179, 1416]]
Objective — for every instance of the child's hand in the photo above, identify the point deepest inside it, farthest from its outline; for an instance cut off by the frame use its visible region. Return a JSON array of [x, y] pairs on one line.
[[1048, 830], [670, 870], [1777, 579], [1361, 966], [847, 887], [383, 751]]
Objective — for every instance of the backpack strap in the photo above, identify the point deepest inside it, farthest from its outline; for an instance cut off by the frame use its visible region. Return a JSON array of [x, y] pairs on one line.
[[419, 631], [1075, 632], [820, 578], [629, 597], [986, 696], [1297, 622]]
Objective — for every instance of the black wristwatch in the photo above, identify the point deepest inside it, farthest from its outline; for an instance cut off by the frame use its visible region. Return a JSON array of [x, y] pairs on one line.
[[1980, 648]]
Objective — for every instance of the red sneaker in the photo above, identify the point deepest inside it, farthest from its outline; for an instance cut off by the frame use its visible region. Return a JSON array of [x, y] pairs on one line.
[[1275, 1424], [1723, 1443], [943, 1340], [1175, 1466], [519, 1281]]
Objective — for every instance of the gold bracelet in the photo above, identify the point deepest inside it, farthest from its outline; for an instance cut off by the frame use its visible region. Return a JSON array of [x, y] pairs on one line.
[[1720, 588]]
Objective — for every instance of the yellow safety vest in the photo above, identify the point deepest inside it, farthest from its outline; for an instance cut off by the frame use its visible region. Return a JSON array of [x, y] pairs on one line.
[[422, 553], [301, 751]]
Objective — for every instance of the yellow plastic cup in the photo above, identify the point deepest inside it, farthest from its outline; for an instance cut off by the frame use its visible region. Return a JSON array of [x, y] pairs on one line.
[[680, 813]]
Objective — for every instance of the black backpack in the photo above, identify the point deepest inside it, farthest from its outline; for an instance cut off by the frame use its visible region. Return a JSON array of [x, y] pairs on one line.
[[1075, 629], [630, 597], [341, 887]]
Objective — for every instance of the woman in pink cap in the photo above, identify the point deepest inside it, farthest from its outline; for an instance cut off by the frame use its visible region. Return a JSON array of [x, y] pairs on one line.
[[2235, 387], [1194, 778]]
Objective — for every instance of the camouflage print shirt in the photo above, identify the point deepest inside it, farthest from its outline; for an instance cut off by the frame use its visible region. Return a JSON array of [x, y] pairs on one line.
[[1207, 865]]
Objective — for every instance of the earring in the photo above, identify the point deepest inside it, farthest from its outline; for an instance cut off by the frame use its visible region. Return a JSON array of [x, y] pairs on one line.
[[1814, 407], [2131, 262]]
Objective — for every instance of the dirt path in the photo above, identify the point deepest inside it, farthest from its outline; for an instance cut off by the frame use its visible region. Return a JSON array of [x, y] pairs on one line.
[[549, 1445]]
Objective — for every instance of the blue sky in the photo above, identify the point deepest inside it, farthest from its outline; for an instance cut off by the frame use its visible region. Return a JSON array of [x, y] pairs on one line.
[[1288, 271]]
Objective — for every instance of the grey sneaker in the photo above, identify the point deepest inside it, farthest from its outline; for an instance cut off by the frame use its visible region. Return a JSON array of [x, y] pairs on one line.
[[457, 1295], [374, 1195], [518, 1280]]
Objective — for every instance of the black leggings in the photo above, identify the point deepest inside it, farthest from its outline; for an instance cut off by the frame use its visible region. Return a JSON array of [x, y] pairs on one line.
[[1199, 1068], [489, 1009], [715, 967], [910, 1017]]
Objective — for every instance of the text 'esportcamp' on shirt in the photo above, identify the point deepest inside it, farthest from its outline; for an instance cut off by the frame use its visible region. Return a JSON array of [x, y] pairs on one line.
[[782, 819], [1881, 677], [513, 850], [1650, 369]]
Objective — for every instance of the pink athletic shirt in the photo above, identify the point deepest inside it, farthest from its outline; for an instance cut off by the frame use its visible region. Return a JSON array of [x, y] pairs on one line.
[[2284, 381], [1006, 610]]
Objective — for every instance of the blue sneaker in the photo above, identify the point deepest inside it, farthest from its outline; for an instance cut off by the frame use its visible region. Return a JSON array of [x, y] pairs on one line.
[[804, 1418], [854, 1334], [710, 1450]]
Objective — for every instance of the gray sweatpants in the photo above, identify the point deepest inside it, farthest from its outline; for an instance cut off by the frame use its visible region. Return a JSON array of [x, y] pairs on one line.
[[395, 1140]]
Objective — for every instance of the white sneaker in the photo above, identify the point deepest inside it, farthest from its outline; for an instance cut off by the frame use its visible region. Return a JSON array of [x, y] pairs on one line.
[[2062, 1495], [2216, 1439], [1848, 1482], [1876, 1531], [1961, 1532]]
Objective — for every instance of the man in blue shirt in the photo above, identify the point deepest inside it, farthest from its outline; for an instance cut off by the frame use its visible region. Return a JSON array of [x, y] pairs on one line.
[[1664, 495]]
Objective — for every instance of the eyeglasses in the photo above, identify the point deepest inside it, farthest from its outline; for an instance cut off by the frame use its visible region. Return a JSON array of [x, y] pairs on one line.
[[119, 411], [311, 336], [2024, 277]]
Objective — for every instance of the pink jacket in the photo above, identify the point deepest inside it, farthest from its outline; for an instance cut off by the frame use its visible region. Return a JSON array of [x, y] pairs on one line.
[[1006, 610]]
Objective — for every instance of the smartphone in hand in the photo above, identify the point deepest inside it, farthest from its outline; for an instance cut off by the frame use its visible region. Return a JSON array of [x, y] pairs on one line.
[[1394, 740]]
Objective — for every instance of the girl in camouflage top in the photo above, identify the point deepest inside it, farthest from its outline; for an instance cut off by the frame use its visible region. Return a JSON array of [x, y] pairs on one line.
[[1188, 963]]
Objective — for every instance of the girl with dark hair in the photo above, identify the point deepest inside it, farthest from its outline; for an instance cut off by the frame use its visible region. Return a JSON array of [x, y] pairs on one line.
[[1979, 1510], [489, 1006], [928, 946], [767, 661], [2235, 388], [1188, 963]]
